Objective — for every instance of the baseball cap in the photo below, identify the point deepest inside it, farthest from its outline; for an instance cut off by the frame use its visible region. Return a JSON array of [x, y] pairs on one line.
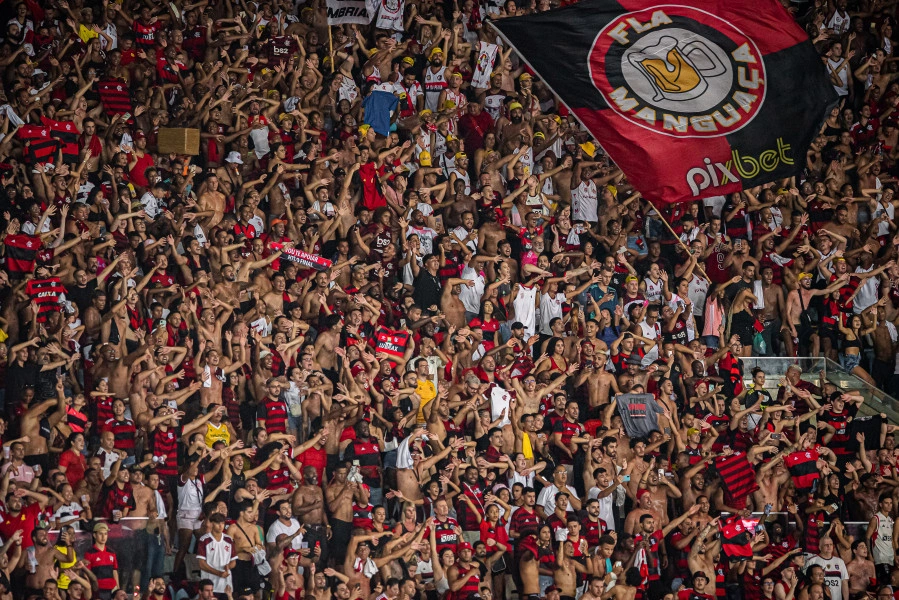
[[464, 546], [234, 157], [552, 588], [514, 105], [424, 159], [524, 76], [435, 50], [517, 325]]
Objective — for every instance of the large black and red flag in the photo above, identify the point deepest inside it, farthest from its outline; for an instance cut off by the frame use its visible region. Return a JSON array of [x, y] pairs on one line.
[[691, 98]]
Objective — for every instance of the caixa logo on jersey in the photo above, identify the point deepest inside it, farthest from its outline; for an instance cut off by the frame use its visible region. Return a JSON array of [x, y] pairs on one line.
[[679, 71]]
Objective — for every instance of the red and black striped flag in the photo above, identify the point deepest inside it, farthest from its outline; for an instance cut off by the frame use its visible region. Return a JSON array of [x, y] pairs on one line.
[[21, 250], [737, 474], [803, 467], [40, 147], [66, 133], [391, 342], [736, 538], [691, 99], [115, 96]]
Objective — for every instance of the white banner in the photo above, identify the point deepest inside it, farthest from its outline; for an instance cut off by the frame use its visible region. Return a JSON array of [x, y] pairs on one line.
[[348, 11], [486, 57]]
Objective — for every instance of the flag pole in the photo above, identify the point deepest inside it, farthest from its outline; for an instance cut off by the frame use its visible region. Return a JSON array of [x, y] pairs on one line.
[[331, 48], [681, 242]]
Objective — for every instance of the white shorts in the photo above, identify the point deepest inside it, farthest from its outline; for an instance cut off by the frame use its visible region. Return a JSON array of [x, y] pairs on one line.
[[189, 519]]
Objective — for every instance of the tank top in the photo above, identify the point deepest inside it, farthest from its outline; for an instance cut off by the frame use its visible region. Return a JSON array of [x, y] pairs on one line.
[[434, 84], [525, 311], [464, 177], [882, 549], [653, 290]]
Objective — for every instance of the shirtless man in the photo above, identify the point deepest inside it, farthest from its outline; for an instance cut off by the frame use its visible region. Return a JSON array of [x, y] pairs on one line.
[[795, 304], [46, 556], [771, 477], [529, 568], [339, 495], [567, 574], [308, 504], [246, 538], [599, 382], [450, 302], [692, 482], [644, 506], [211, 204], [37, 426], [328, 339], [626, 590], [772, 316]]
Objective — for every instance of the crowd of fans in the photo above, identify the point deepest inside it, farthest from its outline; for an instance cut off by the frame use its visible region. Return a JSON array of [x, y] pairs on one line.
[[401, 331]]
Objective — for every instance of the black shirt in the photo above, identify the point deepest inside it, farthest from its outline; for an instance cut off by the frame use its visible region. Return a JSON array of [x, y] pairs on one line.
[[427, 290], [82, 296], [17, 377]]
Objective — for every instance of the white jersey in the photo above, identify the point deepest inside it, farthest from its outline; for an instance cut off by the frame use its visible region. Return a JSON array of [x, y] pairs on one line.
[[434, 84], [584, 202], [652, 332], [464, 176], [218, 554], [882, 548], [525, 309], [653, 290], [834, 573], [697, 291], [493, 104], [868, 291], [550, 308], [839, 23]]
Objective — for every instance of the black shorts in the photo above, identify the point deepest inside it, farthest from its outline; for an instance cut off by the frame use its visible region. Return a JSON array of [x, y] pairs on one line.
[[246, 577]]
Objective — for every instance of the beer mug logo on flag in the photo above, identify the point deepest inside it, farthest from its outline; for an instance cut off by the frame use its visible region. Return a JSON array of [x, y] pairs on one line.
[[679, 71]]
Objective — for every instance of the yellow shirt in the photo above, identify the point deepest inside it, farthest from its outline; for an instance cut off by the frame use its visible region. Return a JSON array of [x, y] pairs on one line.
[[62, 582], [215, 433], [427, 392], [86, 35]]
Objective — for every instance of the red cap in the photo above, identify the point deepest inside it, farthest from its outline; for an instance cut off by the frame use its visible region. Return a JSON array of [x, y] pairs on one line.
[[464, 546], [356, 369], [139, 135]]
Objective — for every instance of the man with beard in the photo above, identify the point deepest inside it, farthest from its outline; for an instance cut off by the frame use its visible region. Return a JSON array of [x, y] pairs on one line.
[[157, 589], [46, 555], [435, 79], [510, 130]]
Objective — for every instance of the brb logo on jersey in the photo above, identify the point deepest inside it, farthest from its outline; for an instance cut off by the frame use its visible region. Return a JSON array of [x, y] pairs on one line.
[[679, 71]]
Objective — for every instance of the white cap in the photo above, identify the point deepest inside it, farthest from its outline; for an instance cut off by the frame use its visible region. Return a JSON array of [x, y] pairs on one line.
[[234, 157]]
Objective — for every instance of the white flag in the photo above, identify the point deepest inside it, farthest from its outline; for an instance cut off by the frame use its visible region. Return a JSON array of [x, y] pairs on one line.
[[486, 57], [348, 11]]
